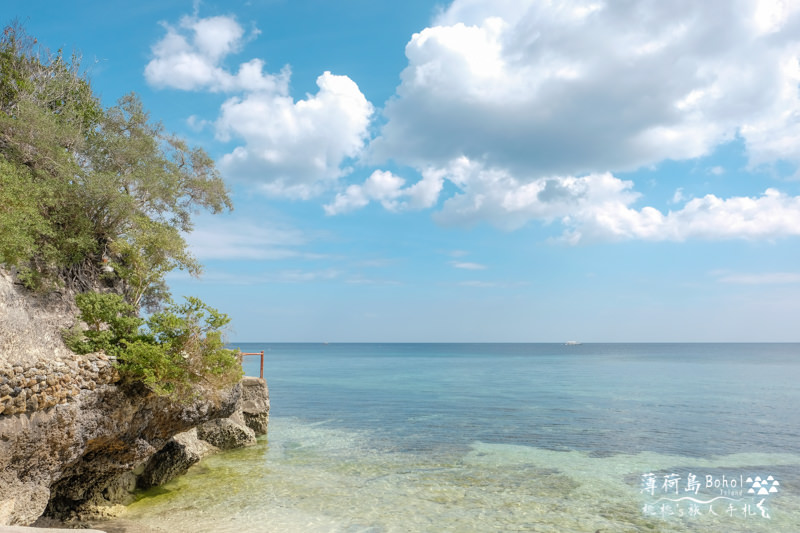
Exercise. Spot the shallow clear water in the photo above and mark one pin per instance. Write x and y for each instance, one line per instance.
(507, 437)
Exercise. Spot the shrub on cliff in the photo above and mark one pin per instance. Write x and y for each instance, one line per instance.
(171, 352)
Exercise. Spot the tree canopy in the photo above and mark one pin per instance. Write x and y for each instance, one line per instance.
(84, 189)
(98, 199)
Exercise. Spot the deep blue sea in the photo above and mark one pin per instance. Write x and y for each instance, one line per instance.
(507, 437)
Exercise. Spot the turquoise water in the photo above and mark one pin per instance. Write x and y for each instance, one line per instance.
(508, 437)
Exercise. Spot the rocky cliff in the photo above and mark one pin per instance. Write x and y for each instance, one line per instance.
(70, 433)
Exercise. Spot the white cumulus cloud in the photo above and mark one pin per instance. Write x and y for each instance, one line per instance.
(295, 148)
(528, 108)
(190, 57)
(286, 147)
(577, 86)
(389, 190)
(603, 207)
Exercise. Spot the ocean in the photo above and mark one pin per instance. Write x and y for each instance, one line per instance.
(378, 438)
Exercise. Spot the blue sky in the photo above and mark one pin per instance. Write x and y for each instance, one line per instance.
(480, 170)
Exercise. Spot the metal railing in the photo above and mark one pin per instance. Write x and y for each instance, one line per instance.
(261, 353)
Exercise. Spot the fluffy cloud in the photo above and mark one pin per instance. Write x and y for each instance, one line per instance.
(575, 87)
(489, 194)
(190, 56)
(295, 148)
(289, 148)
(389, 190)
(773, 214)
(527, 107)
(595, 207)
(601, 207)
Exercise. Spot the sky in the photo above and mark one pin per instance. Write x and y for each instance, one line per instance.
(475, 170)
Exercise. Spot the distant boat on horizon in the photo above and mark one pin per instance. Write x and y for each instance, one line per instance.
(572, 343)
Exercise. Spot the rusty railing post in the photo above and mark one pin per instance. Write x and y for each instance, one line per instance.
(261, 353)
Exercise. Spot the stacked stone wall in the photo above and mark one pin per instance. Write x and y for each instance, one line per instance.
(45, 383)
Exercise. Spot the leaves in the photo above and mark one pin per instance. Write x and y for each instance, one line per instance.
(21, 222)
(91, 196)
(110, 320)
(106, 183)
(171, 353)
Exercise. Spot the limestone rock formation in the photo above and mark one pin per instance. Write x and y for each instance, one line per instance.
(254, 404)
(70, 433)
(226, 434)
(63, 458)
(187, 448)
(174, 459)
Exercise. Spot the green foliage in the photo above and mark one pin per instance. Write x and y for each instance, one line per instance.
(80, 184)
(23, 225)
(162, 371)
(110, 320)
(31, 74)
(152, 249)
(92, 196)
(175, 350)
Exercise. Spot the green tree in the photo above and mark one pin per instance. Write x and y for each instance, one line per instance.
(146, 186)
(19, 216)
(99, 198)
(102, 187)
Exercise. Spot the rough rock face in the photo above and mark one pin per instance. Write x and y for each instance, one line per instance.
(254, 404)
(249, 420)
(68, 431)
(30, 327)
(174, 459)
(61, 459)
(187, 448)
(135, 428)
(36, 370)
(226, 434)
